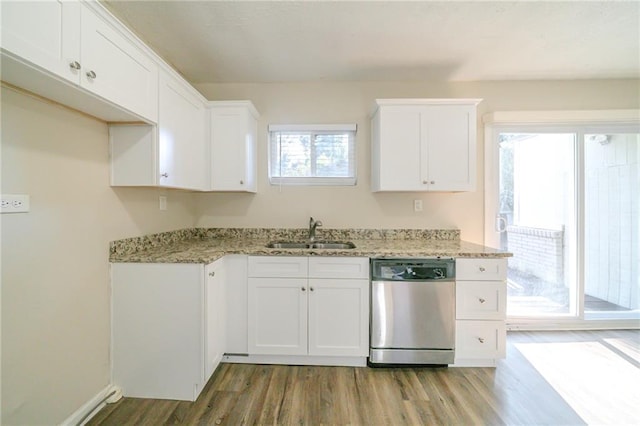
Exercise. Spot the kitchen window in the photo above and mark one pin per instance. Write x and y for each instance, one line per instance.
(312, 154)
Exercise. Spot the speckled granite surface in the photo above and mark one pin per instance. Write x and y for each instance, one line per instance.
(200, 245)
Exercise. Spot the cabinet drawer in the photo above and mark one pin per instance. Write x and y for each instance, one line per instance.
(278, 266)
(480, 339)
(481, 269)
(481, 300)
(339, 267)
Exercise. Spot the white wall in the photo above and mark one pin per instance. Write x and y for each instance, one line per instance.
(55, 278)
(351, 102)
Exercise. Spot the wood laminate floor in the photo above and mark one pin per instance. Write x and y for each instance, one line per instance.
(548, 378)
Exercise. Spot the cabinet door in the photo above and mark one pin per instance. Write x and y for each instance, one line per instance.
(236, 289)
(449, 132)
(157, 330)
(398, 152)
(480, 339)
(115, 69)
(481, 300)
(182, 141)
(338, 267)
(481, 269)
(215, 314)
(46, 34)
(277, 316)
(338, 317)
(233, 149)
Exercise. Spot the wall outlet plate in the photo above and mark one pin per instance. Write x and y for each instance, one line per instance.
(14, 203)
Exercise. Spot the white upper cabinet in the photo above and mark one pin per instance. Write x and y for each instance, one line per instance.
(116, 69)
(172, 154)
(233, 146)
(182, 121)
(424, 145)
(47, 45)
(45, 33)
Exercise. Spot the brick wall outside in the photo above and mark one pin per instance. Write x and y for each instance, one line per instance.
(537, 251)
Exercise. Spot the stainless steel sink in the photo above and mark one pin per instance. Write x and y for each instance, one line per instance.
(328, 245)
(335, 245)
(287, 245)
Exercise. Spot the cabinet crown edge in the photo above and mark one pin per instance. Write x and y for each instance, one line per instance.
(238, 104)
(423, 101)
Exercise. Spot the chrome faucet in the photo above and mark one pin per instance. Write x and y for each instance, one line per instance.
(313, 224)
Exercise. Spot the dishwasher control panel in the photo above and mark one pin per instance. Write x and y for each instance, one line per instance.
(412, 269)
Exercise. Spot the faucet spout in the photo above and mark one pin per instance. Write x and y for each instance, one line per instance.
(313, 224)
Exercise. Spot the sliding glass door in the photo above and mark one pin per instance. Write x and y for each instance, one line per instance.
(611, 256)
(538, 219)
(566, 204)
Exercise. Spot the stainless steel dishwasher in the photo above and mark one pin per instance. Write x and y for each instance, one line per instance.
(412, 312)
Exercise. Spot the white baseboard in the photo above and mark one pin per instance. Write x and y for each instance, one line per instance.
(91, 407)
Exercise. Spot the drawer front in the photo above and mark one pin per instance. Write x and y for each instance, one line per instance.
(339, 267)
(278, 267)
(481, 269)
(481, 300)
(480, 339)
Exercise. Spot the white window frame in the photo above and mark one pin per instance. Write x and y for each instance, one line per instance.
(314, 129)
(580, 123)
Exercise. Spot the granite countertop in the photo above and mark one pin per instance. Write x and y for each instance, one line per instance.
(207, 245)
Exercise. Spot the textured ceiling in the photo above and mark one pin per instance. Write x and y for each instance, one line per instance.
(269, 41)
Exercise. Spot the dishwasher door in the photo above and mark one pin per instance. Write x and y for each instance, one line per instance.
(413, 315)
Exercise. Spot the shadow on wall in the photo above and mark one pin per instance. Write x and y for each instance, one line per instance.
(142, 205)
(233, 204)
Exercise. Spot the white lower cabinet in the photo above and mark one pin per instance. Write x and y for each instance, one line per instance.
(481, 298)
(308, 306)
(338, 317)
(278, 316)
(168, 328)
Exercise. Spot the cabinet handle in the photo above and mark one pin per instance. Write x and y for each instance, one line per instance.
(91, 75)
(75, 65)
(482, 269)
(212, 274)
(303, 289)
(164, 175)
(480, 339)
(481, 300)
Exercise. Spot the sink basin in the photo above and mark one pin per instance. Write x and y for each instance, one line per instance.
(287, 245)
(332, 245)
(329, 245)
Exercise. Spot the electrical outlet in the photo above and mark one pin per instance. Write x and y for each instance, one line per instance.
(163, 202)
(14, 203)
(417, 205)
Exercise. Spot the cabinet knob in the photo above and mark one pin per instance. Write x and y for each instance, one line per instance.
(432, 182)
(311, 288)
(424, 182)
(212, 274)
(303, 289)
(91, 75)
(480, 339)
(75, 65)
(481, 300)
(241, 182)
(482, 269)
(164, 175)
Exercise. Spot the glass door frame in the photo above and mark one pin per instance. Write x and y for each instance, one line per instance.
(579, 123)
